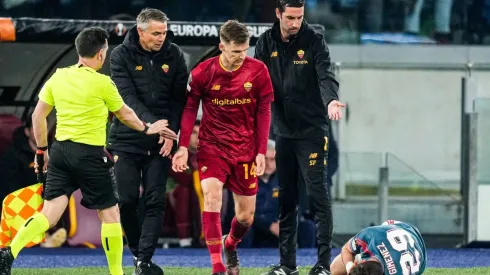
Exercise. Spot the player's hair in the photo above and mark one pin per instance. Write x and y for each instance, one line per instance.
(234, 31)
(90, 41)
(283, 4)
(147, 15)
(367, 268)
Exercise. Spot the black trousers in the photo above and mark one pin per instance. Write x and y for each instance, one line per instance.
(303, 160)
(131, 171)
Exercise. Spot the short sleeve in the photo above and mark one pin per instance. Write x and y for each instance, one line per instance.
(111, 96)
(359, 244)
(46, 94)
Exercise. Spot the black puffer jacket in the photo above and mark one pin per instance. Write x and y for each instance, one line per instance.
(153, 85)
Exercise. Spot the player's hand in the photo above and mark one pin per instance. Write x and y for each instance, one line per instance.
(349, 266)
(179, 161)
(260, 162)
(167, 146)
(157, 127)
(45, 166)
(335, 110)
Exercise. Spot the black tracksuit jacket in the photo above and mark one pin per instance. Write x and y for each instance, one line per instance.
(153, 85)
(303, 80)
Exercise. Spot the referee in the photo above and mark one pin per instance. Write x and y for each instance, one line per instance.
(305, 100)
(82, 98)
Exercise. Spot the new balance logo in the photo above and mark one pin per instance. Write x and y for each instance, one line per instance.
(280, 272)
(323, 273)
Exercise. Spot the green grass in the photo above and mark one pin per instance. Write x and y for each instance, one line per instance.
(199, 271)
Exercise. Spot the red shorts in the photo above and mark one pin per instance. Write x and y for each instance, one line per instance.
(239, 177)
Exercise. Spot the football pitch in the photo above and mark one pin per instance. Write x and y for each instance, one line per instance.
(81, 261)
(198, 271)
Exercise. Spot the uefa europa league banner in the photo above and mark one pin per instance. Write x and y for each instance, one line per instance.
(38, 30)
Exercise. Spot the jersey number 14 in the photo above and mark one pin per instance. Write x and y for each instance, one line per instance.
(400, 239)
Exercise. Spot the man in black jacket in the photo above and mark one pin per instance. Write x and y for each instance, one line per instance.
(306, 98)
(151, 75)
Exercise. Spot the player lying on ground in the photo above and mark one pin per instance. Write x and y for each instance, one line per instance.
(82, 98)
(393, 248)
(236, 92)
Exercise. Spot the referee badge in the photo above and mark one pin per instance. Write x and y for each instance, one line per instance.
(165, 68)
(116, 157)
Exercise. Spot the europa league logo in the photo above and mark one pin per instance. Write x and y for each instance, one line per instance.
(120, 29)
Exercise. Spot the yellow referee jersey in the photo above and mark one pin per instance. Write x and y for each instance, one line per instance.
(82, 98)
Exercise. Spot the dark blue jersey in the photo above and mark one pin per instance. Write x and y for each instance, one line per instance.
(397, 245)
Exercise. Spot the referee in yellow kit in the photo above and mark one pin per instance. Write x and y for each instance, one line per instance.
(82, 98)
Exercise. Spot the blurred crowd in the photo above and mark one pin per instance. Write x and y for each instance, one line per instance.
(181, 226)
(346, 21)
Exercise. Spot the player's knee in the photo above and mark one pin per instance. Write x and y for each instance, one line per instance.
(213, 194)
(212, 203)
(109, 215)
(245, 218)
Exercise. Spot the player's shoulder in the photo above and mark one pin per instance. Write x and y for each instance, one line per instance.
(204, 66)
(255, 64)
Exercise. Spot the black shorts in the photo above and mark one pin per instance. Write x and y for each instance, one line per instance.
(75, 165)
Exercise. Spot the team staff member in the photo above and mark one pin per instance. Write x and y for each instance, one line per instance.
(305, 98)
(151, 75)
(82, 98)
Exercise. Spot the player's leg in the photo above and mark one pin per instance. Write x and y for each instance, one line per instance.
(312, 154)
(213, 172)
(155, 173)
(127, 169)
(211, 221)
(337, 267)
(95, 182)
(243, 183)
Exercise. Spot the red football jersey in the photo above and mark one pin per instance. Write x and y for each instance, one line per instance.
(236, 108)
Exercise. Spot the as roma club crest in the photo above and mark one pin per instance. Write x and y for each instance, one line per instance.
(301, 54)
(247, 86)
(165, 68)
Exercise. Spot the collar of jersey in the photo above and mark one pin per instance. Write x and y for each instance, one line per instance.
(223, 67)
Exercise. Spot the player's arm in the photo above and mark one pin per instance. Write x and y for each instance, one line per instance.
(329, 86)
(348, 254)
(191, 107)
(125, 85)
(126, 115)
(178, 94)
(263, 114)
(43, 108)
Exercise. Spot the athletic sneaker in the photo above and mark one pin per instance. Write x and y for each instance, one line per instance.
(147, 268)
(6, 260)
(282, 270)
(231, 259)
(319, 270)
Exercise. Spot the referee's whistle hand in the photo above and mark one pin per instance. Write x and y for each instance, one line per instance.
(157, 127)
(168, 134)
